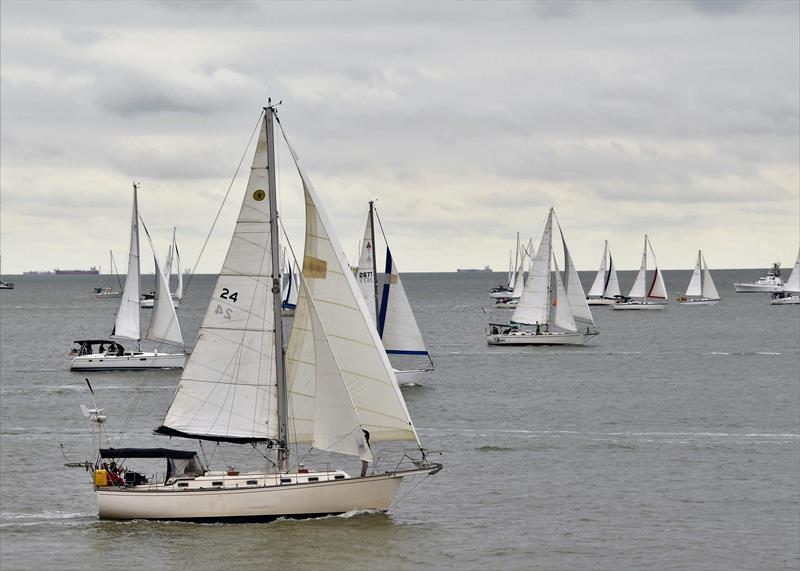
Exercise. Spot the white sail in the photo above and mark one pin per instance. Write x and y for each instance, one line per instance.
(164, 326)
(564, 318)
(353, 338)
(576, 298)
(658, 289)
(365, 273)
(534, 305)
(792, 285)
(638, 287)
(321, 410)
(709, 289)
(178, 293)
(612, 281)
(397, 325)
(519, 280)
(127, 323)
(599, 283)
(290, 292)
(695, 288)
(531, 254)
(168, 259)
(228, 387)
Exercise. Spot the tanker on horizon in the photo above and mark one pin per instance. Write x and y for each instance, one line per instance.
(59, 272)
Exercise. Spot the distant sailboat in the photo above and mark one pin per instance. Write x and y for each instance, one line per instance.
(109, 292)
(640, 295)
(790, 293)
(164, 327)
(502, 291)
(701, 289)
(388, 303)
(534, 322)
(332, 389)
(605, 288)
(511, 299)
(173, 258)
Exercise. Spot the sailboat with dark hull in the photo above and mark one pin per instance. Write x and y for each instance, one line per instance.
(331, 388)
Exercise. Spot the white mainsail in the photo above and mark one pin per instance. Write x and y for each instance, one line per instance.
(321, 410)
(576, 298)
(534, 305)
(127, 324)
(164, 326)
(638, 287)
(228, 388)
(599, 283)
(168, 259)
(353, 338)
(612, 281)
(178, 293)
(792, 285)
(365, 273)
(695, 286)
(709, 289)
(564, 318)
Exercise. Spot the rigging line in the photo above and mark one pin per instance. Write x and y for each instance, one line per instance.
(414, 487)
(221, 206)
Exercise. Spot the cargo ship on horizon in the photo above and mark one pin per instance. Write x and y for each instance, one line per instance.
(59, 272)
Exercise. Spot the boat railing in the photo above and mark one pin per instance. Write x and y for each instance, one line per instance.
(396, 461)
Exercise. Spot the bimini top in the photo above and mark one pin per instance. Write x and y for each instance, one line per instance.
(94, 341)
(146, 453)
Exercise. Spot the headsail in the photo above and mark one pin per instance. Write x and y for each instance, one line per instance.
(792, 285)
(178, 293)
(353, 339)
(638, 287)
(534, 305)
(164, 326)
(365, 273)
(709, 289)
(657, 289)
(127, 324)
(228, 388)
(599, 283)
(574, 289)
(397, 325)
(612, 281)
(564, 318)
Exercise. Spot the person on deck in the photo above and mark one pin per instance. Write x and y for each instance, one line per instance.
(364, 463)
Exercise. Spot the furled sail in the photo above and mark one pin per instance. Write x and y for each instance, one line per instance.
(792, 285)
(127, 324)
(397, 326)
(164, 326)
(353, 338)
(228, 387)
(695, 287)
(321, 410)
(534, 305)
(564, 318)
(599, 283)
(709, 289)
(365, 273)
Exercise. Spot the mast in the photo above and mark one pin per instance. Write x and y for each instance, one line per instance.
(277, 298)
(138, 261)
(374, 256)
(644, 260)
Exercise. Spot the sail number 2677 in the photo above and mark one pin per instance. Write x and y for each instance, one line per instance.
(230, 296)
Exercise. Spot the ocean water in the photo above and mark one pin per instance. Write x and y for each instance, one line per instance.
(671, 441)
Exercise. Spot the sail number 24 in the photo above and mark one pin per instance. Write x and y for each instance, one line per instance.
(229, 295)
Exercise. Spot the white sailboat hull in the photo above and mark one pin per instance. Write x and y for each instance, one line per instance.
(108, 295)
(500, 294)
(756, 287)
(639, 305)
(601, 301)
(410, 376)
(252, 503)
(698, 301)
(531, 338)
(793, 300)
(510, 304)
(129, 361)
(149, 303)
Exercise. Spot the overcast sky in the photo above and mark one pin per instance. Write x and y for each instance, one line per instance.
(466, 120)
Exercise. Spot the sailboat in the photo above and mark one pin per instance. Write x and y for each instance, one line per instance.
(701, 289)
(534, 322)
(790, 293)
(502, 291)
(605, 288)
(511, 299)
(104, 354)
(109, 292)
(638, 297)
(332, 388)
(173, 258)
(388, 304)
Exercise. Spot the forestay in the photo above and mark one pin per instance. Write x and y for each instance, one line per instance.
(353, 339)
(534, 305)
(127, 323)
(228, 387)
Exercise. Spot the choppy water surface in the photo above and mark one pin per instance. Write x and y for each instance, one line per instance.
(672, 441)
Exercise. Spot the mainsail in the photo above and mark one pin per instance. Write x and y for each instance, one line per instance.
(127, 324)
(228, 389)
(534, 305)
